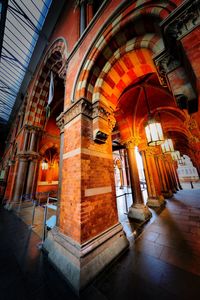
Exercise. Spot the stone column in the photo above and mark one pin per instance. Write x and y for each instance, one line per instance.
(89, 235)
(33, 140)
(138, 210)
(166, 191)
(155, 197)
(30, 174)
(82, 16)
(126, 168)
(176, 176)
(89, 11)
(169, 174)
(171, 168)
(60, 124)
(20, 178)
(25, 140)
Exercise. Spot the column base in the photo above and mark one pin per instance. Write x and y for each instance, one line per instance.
(156, 202)
(167, 194)
(139, 212)
(80, 264)
(8, 206)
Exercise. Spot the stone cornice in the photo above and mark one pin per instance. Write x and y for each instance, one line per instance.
(184, 19)
(28, 155)
(131, 142)
(60, 121)
(165, 63)
(32, 128)
(82, 106)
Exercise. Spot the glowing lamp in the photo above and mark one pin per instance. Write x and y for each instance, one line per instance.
(44, 165)
(154, 133)
(176, 155)
(167, 146)
(153, 128)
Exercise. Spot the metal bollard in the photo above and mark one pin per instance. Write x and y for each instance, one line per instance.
(19, 207)
(44, 224)
(40, 244)
(126, 203)
(33, 215)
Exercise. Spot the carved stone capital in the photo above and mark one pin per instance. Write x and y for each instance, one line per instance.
(191, 123)
(103, 122)
(165, 63)
(82, 106)
(187, 17)
(60, 121)
(132, 142)
(151, 151)
(63, 72)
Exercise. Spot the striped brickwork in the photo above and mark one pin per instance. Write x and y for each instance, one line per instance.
(124, 34)
(54, 59)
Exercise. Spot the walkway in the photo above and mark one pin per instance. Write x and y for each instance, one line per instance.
(162, 263)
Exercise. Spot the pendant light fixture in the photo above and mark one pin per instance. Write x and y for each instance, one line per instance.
(175, 155)
(167, 146)
(153, 128)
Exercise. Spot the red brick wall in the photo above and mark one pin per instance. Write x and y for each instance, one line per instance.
(83, 216)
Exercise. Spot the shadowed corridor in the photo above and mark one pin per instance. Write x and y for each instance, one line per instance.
(162, 263)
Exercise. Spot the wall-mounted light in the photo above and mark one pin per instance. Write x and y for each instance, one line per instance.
(44, 165)
(153, 128)
(167, 146)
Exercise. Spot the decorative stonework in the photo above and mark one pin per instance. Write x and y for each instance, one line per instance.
(80, 263)
(63, 72)
(185, 21)
(82, 106)
(132, 142)
(150, 151)
(103, 118)
(191, 124)
(165, 63)
(103, 122)
(27, 156)
(60, 122)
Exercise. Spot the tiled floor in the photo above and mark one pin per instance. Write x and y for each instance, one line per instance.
(162, 263)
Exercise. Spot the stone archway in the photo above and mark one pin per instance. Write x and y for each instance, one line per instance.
(35, 117)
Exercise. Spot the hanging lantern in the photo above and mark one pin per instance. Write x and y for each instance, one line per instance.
(181, 161)
(153, 128)
(175, 155)
(154, 133)
(44, 165)
(167, 146)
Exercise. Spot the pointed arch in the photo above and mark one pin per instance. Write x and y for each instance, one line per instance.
(54, 60)
(116, 35)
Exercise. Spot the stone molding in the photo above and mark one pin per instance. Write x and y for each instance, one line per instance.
(166, 63)
(184, 19)
(32, 128)
(187, 18)
(29, 155)
(60, 122)
(99, 113)
(82, 106)
(80, 263)
(132, 142)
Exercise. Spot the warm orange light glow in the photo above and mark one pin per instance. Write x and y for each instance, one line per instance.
(154, 133)
(44, 165)
(175, 155)
(167, 146)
